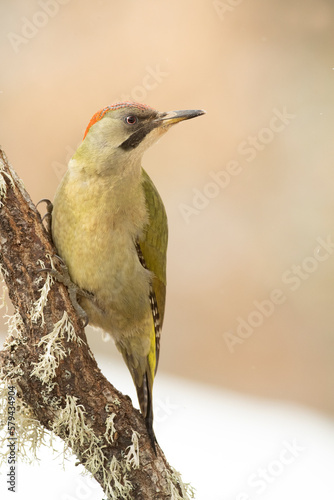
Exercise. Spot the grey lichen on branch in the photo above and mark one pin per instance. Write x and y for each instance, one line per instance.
(59, 386)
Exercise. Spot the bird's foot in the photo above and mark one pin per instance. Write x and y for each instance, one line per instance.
(73, 289)
(48, 216)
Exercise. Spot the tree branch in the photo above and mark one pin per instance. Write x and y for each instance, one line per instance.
(54, 371)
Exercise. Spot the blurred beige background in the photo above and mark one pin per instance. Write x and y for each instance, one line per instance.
(248, 187)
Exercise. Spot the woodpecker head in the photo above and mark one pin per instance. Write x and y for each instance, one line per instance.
(125, 130)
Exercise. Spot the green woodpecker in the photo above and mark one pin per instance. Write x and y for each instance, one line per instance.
(109, 225)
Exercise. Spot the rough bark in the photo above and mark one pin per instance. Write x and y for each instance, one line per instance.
(24, 244)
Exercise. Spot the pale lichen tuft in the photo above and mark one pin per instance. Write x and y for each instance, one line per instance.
(132, 457)
(38, 306)
(54, 351)
(29, 433)
(3, 185)
(176, 482)
(110, 428)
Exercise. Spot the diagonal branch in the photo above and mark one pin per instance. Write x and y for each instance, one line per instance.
(54, 371)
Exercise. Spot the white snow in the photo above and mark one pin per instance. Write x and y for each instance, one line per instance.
(228, 446)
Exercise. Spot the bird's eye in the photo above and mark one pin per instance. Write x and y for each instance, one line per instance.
(131, 120)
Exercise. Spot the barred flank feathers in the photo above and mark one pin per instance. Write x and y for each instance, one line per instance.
(155, 311)
(144, 392)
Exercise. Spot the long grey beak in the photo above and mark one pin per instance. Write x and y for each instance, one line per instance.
(171, 117)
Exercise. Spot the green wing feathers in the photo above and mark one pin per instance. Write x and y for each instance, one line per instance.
(153, 243)
(151, 250)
